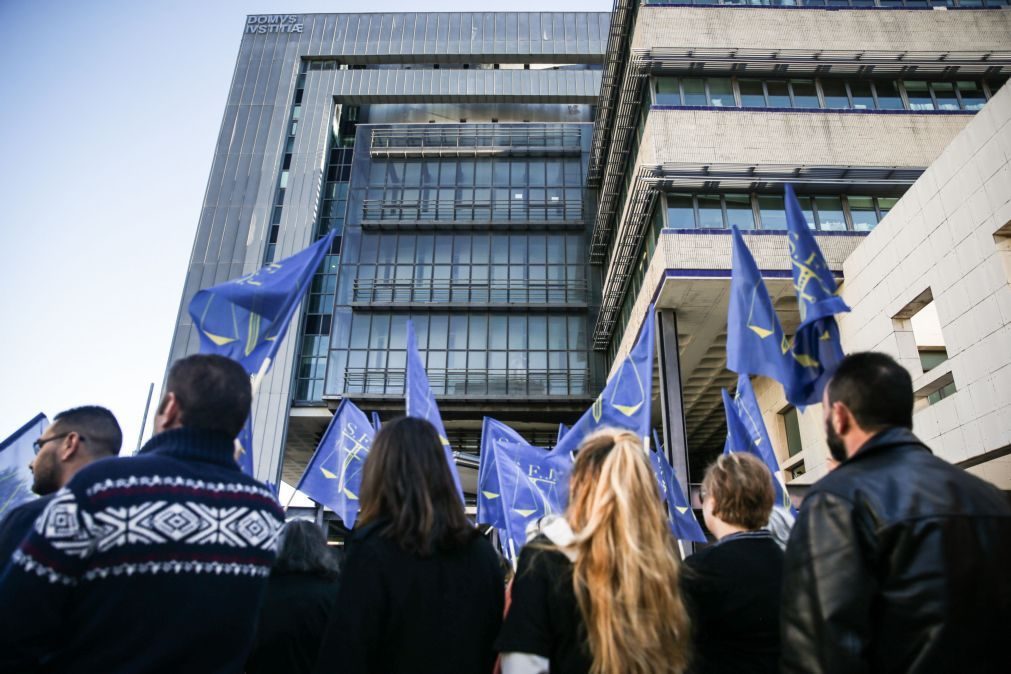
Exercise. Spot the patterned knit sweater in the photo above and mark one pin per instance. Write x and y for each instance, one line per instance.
(152, 563)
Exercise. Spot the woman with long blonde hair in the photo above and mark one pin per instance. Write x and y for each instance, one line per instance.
(597, 591)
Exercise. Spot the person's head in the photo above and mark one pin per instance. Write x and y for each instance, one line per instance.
(407, 483)
(737, 494)
(868, 392)
(302, 548)
(626, 570)
(207, 393)
(76, 438)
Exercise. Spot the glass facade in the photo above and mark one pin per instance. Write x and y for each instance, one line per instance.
(825, 93)
(489, 220)
(826, 213)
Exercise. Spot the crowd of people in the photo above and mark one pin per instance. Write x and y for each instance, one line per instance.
(173, 560)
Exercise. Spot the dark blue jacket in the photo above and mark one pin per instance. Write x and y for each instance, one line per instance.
(17, 524)
(152, 563)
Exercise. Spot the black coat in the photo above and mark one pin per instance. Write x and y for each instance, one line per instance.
(398, 612)
(899, 562)
(732, 590)
(294, 614)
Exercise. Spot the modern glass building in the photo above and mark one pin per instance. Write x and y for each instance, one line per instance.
(450, 153)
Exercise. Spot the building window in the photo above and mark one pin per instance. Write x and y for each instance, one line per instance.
(797, 470)
(823, 213)
(791, 425)
(833, 93)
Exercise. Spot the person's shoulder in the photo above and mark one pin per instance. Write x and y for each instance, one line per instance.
(30, 508)
(543, 556)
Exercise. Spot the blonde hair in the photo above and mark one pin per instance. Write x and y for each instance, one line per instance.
(625, 574)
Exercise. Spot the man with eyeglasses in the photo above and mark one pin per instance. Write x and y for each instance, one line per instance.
(77, 437)
(156, 562)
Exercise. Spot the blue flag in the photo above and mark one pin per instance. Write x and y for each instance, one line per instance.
(550, 468)
(755, 340)
(626, 400)
(562, 430)
(245, 442)
(751, 416)
(529, 483)
(812, 279)
(16, 452)
(377, 423)
(683, 524)
(334, 474)
(421, 401)
(246, 319)
(816, 347)
(489, 495)
(739, 439)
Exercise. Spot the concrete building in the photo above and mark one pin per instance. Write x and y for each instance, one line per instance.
(524, 185)
(449, 151)
(705, 112)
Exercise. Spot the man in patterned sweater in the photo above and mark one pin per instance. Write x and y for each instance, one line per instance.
(152, 563)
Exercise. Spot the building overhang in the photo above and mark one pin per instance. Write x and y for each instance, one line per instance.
(652, 180)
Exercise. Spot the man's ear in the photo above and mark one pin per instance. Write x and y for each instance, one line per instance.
(842, 418)
(70, 447)
(170, 414)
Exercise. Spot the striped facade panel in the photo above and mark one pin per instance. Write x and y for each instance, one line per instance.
(783, 29)
(473, 86)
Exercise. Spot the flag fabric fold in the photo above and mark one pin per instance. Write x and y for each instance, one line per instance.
(739, 439)
(529, 482)
(244, 455)
(682, 520)
(333, 476)
(16, 453)
(816, 348)
(246, 319)
(756, 343)
(420, 401)
(750, 415)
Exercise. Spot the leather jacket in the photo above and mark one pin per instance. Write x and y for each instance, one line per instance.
(899, 562)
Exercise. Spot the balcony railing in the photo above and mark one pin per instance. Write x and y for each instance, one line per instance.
(381, 292)
(509, 208)
(472, 382)
(454, 139)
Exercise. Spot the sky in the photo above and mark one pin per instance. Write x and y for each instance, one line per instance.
(109, 112)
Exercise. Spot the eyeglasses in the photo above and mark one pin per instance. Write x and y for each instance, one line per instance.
(38, 444)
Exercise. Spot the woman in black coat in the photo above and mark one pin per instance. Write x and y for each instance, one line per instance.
(421, 591)
(300, 595)
(733, 586)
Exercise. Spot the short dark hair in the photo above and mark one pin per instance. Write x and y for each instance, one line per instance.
(213, 393)
(876, 389)
(96, 425)
(741, 487)
(407, 483)
(302, 548)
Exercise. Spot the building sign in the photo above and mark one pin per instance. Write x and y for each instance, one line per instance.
(274, 23)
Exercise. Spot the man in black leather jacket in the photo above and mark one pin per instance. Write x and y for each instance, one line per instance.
(899, 561)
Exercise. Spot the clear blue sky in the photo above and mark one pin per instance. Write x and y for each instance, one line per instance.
(109, 112)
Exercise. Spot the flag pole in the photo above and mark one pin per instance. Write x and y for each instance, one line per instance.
(143, 421)
(259, 376)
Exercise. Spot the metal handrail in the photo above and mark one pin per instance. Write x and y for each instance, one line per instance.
(384, 209)
(422, 291)
(453, 382)
(472, 135)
